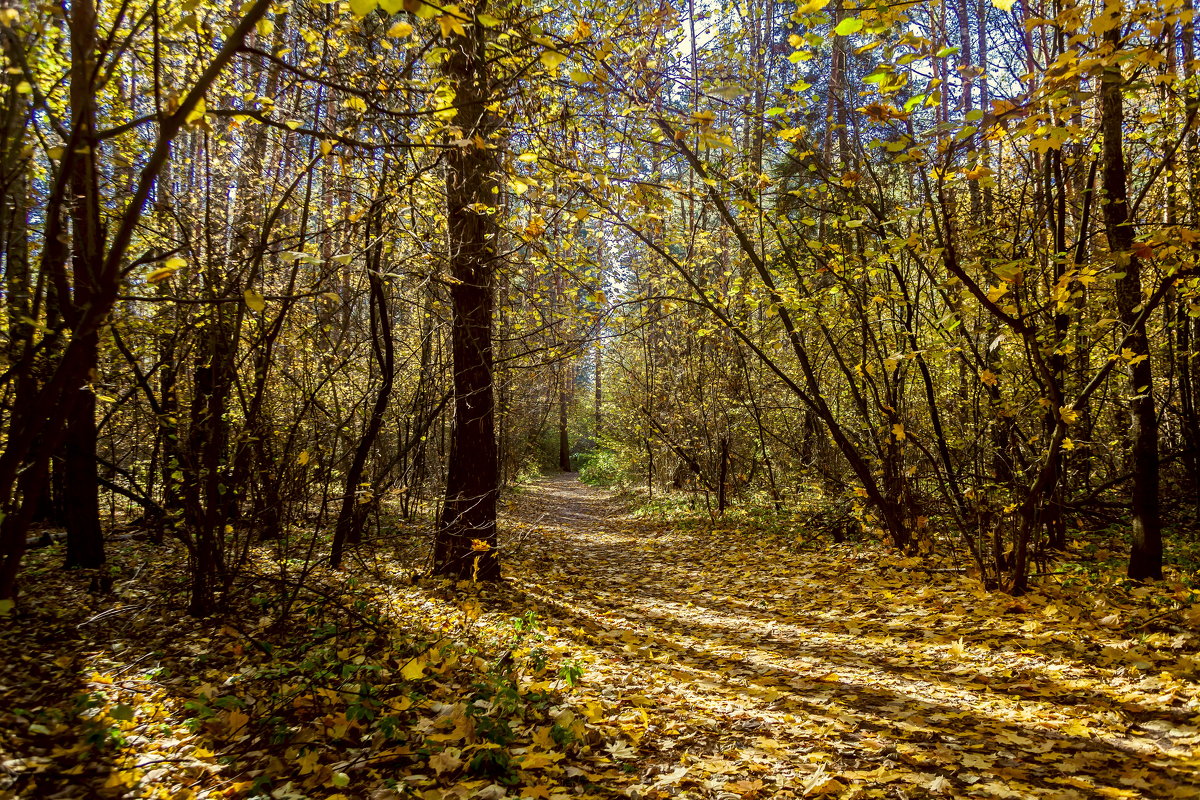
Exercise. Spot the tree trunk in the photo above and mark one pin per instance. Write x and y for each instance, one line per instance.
(465, 544)
(1145, 556)
(350, 519)
(81, 499)
(564, 442)
(599, 395)
(85, 539)
(723, 476)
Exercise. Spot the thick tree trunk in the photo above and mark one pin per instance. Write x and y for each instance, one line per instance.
(85, 539)
(465, 544)
(1145, 557)
(14, 215)
(81, 499)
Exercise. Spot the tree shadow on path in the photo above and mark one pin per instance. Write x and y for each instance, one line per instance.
(784, 687)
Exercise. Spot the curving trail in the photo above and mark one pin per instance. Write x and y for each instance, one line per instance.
(730, 665)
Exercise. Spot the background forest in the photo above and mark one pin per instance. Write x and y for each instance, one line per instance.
(299, 285)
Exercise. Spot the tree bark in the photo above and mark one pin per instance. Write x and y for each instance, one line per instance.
(465, 543)
(352, 515)
(564, 440)
(1145, 556)
(599, 392)
(81, 499)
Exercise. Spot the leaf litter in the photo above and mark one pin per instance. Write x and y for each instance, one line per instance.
(622, 657)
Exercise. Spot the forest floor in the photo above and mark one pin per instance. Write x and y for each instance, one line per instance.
(623, 656)
(741, 668)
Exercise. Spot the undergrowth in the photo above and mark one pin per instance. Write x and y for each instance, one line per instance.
(358, 685)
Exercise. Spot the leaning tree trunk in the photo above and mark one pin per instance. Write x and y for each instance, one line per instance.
(465, 544)
(353, 513)
(1145, 556)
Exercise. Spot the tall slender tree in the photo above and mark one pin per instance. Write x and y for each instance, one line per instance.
(1145, 557)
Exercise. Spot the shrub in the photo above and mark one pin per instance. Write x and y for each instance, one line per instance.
(600, 468)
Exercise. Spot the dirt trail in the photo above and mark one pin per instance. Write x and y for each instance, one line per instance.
(735, 667)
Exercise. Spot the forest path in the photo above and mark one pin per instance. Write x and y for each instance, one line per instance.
(734, 666)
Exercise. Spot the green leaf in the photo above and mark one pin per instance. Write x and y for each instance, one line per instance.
(848, 26)
(363, 7)
(487, 20)
(6, 607)
(122, 713)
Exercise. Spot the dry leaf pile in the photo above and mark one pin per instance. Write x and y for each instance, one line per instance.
(740, 668)
(620, 658)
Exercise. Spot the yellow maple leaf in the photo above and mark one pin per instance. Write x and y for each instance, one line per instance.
(539, 760)
(451, 24)
(414, 669)
(308, 762)
(1076, 728)
(542, 737)
(536, 226)
(236, 720)
(446, 761)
